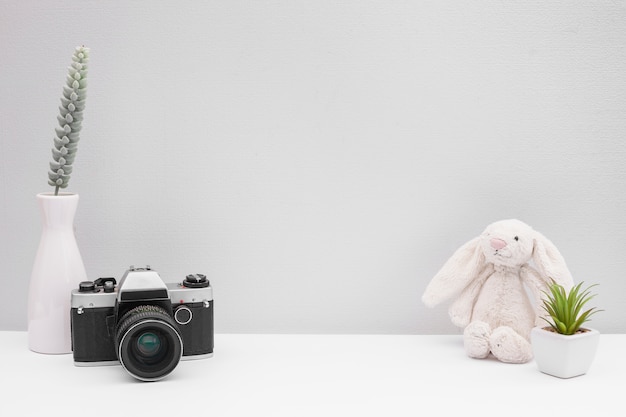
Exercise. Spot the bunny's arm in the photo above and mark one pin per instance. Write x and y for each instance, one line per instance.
(461, 309)
(536, 285)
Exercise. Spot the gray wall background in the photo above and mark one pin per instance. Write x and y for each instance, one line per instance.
(319, 160)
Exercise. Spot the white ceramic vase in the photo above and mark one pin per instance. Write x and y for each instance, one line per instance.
(58, 268)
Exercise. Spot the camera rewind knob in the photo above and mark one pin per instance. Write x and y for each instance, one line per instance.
(86, 286)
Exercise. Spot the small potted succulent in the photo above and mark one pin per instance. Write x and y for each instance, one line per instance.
(565, 349)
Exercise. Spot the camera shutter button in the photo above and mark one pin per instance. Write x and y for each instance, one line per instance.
(183, 315)
(109, 286)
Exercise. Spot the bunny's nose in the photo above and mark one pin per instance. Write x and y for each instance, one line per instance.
(497, 244)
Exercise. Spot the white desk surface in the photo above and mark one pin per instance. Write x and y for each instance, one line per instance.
(314, 375)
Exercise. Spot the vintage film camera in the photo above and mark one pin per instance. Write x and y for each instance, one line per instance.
(144, 324)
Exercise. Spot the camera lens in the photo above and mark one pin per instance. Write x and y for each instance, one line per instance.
(148, 343)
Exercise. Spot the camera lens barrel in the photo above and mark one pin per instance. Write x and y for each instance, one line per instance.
(148, 343)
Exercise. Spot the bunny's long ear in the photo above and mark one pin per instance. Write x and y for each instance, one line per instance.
(550, 262)
(458, 271)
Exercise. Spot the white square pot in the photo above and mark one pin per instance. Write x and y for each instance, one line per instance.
(564, 356)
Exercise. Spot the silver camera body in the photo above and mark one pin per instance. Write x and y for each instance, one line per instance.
(144, 324)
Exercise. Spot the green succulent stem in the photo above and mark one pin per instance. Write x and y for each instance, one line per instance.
(565, 308)
(70, 119)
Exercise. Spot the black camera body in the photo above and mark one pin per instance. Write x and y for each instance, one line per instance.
(144, 324)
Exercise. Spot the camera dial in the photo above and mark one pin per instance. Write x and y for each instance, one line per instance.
(195, 281)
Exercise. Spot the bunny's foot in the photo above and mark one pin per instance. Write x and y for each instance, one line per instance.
(508, 346)
(476, 339)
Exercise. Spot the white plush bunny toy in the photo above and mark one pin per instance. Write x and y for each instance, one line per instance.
(490, 279)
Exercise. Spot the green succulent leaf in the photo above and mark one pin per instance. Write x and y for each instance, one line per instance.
(560, 326)
(564, 308)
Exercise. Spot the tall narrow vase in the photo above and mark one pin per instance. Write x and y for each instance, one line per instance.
(58, 268)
